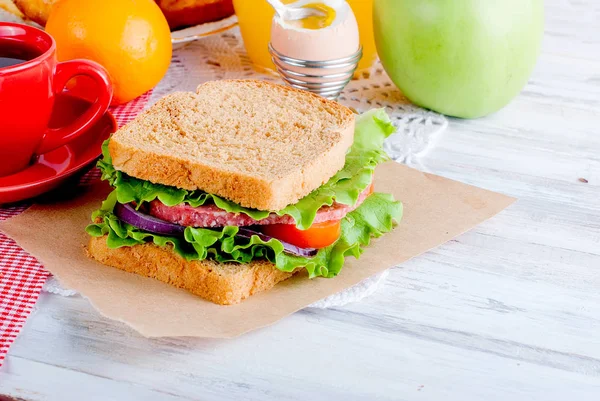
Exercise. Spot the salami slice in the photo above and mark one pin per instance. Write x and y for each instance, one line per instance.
(211, 216)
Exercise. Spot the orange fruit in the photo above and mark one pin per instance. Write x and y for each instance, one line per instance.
(130, 38)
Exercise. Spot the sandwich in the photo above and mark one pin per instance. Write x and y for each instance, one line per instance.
(227, 191)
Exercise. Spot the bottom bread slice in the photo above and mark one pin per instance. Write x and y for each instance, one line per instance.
(221, 283)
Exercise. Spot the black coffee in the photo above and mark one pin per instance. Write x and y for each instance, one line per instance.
(8, 61)
(12, 53)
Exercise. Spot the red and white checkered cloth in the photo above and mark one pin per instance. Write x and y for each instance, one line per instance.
(21, 275)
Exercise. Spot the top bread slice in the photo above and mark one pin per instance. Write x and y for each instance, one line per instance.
(258, 144)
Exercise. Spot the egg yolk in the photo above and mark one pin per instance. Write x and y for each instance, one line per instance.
(317, 21)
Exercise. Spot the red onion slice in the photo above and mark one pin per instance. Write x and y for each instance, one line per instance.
(136, 218)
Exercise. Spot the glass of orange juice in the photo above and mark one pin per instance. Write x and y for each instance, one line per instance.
(254, 17)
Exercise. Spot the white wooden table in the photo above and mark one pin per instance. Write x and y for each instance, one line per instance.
(508, 311)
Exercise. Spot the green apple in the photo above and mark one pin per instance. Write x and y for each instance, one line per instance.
(463, 58)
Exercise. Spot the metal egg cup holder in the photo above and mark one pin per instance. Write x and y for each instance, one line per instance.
(312, 76)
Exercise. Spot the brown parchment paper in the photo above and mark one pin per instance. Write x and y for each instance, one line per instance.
(436, 209)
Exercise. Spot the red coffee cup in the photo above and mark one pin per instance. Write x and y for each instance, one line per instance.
(27, 91)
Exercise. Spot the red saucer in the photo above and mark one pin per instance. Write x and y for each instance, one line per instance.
(52, 169)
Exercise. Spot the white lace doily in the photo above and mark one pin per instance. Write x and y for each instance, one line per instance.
(223, 56)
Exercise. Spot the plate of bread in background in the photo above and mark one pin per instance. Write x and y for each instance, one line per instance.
(188, 19)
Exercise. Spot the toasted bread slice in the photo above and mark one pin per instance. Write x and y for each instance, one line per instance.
(258, 144)
(36, 10)
(10, 7)
(221, 283)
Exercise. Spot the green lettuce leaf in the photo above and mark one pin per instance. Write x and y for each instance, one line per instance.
(372, 128)
(373, 218)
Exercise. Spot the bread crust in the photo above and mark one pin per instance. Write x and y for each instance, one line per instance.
(35, 10)
(256, 191)
(221, 283)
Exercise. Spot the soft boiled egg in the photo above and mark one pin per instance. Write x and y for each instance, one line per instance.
(329, 36)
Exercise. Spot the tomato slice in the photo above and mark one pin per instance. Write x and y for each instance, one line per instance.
(319, 235)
